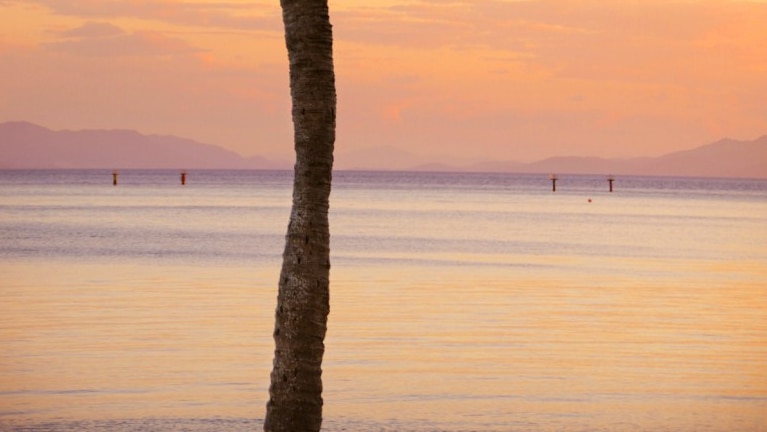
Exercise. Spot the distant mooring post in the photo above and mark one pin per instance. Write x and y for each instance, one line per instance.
(610, 180)
(553, 178)
(183, 178)
(114, 177)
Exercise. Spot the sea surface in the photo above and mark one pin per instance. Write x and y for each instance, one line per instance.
(459, 302)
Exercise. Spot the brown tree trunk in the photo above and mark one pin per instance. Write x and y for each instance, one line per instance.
(295, 393)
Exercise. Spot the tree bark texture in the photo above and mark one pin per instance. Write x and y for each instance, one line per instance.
(303, 301)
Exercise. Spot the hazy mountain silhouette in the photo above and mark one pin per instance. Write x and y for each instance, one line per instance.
(724, 158)
(25, 145)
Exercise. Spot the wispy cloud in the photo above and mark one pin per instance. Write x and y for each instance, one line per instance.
(108, 40)
(251, 15)
(92, 29)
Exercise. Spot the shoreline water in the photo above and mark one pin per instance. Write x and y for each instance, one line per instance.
(458, 302)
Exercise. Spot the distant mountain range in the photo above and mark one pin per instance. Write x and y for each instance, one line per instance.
(724, 158)
(25, 145)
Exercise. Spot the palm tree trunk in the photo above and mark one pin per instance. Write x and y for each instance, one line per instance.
(295, 393)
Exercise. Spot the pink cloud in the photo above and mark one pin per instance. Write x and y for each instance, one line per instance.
(93, 29)
(122, 44)
(227, 15)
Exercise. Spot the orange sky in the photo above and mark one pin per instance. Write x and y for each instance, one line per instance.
(457, 80)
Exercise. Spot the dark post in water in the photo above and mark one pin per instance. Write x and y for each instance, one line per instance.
(183, 178)
(553, 178)
(114, 177)
(611, 179)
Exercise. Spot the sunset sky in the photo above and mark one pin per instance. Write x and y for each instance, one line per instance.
(456, 80)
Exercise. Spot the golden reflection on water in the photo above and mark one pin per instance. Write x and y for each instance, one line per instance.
(468, 350)
(127, 341)
(487, 349)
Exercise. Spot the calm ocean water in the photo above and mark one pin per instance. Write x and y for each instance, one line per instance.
(459, 302)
